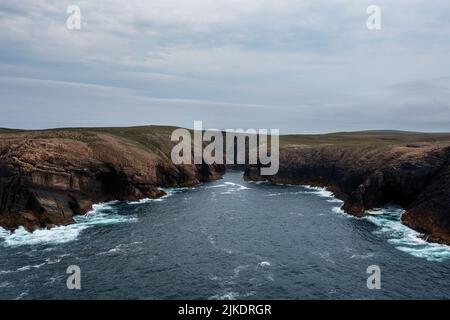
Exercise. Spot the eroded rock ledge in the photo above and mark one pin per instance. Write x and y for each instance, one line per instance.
(48, 177)
(415, 176)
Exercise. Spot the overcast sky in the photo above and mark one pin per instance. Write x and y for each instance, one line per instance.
(298, 65)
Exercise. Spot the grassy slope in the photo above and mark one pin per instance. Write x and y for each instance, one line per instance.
(6, 130)
(146, 137)
(375, 138)
(150, 137)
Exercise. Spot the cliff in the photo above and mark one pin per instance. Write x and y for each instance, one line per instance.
(47, 177)
(372, 170)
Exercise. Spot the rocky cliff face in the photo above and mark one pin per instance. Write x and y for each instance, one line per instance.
(415, 176)
(48, 177)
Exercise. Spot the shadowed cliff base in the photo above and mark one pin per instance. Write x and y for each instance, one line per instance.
(48, 176)
(372, 169)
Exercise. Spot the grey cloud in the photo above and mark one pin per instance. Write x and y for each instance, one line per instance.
(298, 65)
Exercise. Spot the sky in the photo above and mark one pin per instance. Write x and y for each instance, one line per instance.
(302, 66)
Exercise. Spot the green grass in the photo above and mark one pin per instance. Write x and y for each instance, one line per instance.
(148, 137)
(376, 138)
(6, 130)
(151, 137)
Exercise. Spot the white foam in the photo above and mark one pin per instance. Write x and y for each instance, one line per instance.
(35, 266)
(52, 261)
(338, 210)
(335, 200)
(101, 214)
(110, 251)
(169, 192)
(241, 187)
(216, 186)
(55, 235)
(258, 182)
(389, 225)
(326, 256)
(231, 295)
(121, 248)
(232, 187)
(375, 211)
(362, 256)
(238, 269)
(6, 271)
(319, 191)
(20, 296)
(276, 194)
(3, 233)
(264, 264)
(141, 201)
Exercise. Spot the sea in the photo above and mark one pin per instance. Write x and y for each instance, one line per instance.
(227, 239)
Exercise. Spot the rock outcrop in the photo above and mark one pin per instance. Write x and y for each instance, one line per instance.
(48, 177)
(415, 176)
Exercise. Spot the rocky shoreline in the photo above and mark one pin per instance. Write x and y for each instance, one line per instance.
(414, 176)
(47, 177)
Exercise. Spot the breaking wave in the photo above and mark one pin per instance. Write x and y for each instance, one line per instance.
(169, 192)
(321, 192)
(389, 226)
(231, 187)
(306, 189)
(102, 214)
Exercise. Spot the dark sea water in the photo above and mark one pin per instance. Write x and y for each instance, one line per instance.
(227, 239)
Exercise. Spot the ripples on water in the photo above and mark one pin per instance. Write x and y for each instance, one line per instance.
(225, 240)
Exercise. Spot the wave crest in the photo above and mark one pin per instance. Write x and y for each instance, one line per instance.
(101, 214)
(389, 226)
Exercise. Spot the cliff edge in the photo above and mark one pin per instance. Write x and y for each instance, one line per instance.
(47, 177)
(375, 169)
